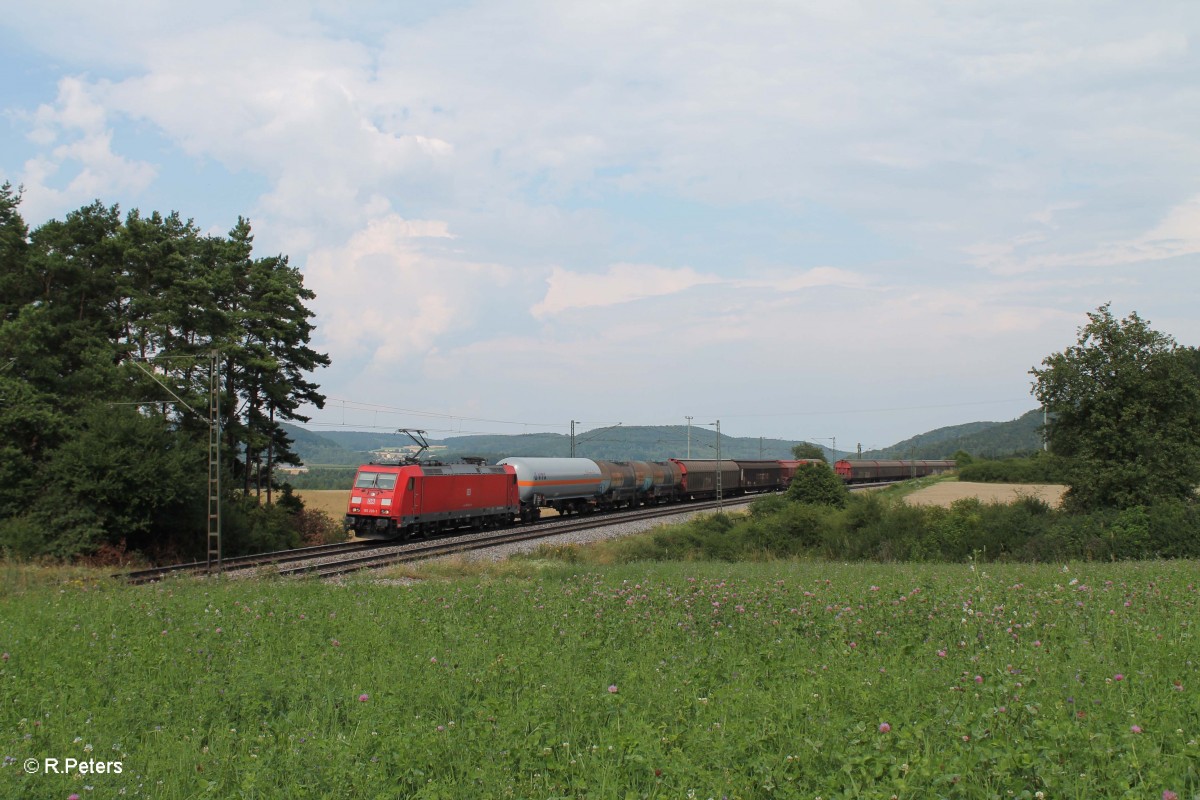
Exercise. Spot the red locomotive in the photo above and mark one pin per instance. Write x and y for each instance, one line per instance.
(400, 500)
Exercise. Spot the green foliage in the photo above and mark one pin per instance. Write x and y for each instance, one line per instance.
(248, 526)
(808, 450)
(1040, 468)
(875, 527)
(1125, 411)
(323, 478)
(95, 452)
(819, 485)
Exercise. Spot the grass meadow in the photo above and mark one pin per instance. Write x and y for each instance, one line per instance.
(693, 680)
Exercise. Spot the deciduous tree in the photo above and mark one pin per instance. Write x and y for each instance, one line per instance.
(1124, 406)
(808, 450)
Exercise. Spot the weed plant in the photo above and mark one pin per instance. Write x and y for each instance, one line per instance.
(780, 680)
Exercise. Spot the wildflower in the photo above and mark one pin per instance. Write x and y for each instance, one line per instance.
(1118, 677)
(612, 689)
(1135, 728)
(979, 679)
(1169, 795)
(884, 727)
(941, 653)
(364, 697)
(3, 656)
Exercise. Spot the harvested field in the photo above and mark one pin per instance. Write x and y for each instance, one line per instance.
(332, 501)
(946, 492)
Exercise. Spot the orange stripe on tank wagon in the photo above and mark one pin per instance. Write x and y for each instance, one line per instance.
(584, 482)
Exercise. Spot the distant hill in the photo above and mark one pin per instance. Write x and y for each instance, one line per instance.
(656, 443)
(622, 443)
(1021, 436)
(619, 443)
(320, 448)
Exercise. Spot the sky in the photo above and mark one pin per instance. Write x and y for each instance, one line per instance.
(813, 221)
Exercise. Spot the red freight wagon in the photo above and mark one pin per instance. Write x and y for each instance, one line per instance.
(699, 478)
(788, 468)
(864, 470)
(395, 501)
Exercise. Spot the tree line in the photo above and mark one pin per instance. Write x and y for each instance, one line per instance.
(108, 324)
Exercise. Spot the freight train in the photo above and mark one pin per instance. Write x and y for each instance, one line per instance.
(398, 501)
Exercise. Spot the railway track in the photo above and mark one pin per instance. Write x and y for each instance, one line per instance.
(359, 556)
(249, 562)
(420, 552)
(461, 545)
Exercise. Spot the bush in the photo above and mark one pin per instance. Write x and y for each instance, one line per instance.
(1174, 527)
(819, 485)
(1038, 469)
(316, 527)
(250, 527)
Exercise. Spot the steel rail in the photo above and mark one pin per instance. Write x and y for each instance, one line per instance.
(435, 549)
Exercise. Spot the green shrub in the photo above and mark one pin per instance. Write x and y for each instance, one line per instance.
(1174, 529)
(1037, 469)
(250, 527)
(819, 485)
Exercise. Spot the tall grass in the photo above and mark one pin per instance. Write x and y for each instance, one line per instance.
(780, 679)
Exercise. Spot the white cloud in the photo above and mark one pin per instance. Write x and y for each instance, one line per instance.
(625, 283)
(388, 294)
(1177, 235)
(78, 144)
(622, 283)
(815, 278)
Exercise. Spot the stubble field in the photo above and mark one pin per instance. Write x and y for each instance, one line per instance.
(332, 501)
(944, 493)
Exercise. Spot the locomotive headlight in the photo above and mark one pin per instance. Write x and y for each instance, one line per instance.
(356, 499)
(385, 502)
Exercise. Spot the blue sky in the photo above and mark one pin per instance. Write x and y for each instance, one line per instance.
(806, 219)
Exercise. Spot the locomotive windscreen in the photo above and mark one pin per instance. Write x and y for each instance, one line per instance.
(376, 480)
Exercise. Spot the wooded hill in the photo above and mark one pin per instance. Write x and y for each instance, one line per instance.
(656, 443)
(1022, 436)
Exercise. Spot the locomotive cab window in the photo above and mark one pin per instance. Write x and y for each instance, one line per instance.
(376, 480)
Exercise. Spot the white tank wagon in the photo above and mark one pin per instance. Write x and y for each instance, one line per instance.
(568, 485)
